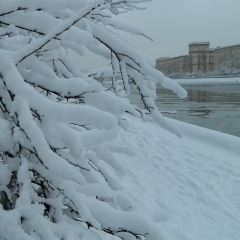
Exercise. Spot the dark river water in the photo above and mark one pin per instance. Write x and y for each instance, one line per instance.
(211, 105)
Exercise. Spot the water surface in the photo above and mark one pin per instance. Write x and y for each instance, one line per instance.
(211, 105)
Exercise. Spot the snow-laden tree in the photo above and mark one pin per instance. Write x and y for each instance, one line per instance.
(57, 122)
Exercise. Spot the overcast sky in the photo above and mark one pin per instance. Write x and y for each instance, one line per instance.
(173, 24)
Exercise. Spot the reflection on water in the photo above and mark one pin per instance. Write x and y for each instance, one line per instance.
(215, 106)
(199, 112)
(198, 96)
(209, 96)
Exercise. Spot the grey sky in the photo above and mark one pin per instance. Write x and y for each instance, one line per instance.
(172, 24)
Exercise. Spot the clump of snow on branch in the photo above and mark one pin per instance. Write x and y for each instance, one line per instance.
(57, 122)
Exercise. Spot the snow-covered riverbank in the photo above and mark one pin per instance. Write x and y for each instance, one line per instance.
(191, 185)
(235, 80)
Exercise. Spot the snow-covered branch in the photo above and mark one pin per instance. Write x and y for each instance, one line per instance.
(57, 123)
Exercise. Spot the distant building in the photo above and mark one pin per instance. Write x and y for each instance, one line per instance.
(177, 65)
(227, 57)
(201, 59)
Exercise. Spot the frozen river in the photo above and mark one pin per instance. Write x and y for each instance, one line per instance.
(211, 103)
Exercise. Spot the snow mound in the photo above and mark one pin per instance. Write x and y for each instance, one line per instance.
(189, 185)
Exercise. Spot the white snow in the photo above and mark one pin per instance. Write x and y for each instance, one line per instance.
(216, 80)
(67, 169)
(191, 185)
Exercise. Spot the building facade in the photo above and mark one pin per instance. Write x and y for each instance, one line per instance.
(177, 65)
(201, 59)
(227, 57)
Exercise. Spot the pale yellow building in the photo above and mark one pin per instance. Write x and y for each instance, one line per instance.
(178, 65)
(201, 59)
(228, 57)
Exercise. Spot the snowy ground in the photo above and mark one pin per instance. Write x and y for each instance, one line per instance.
(192, 184)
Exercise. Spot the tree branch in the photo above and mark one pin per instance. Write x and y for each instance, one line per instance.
(58, 30)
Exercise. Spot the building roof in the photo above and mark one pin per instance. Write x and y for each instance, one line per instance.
(232, 46)
(199, 43)
(168, 58)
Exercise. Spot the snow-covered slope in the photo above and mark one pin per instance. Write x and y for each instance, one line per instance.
(191, 185)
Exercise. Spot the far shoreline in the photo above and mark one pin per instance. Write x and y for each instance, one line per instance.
(209, 80)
